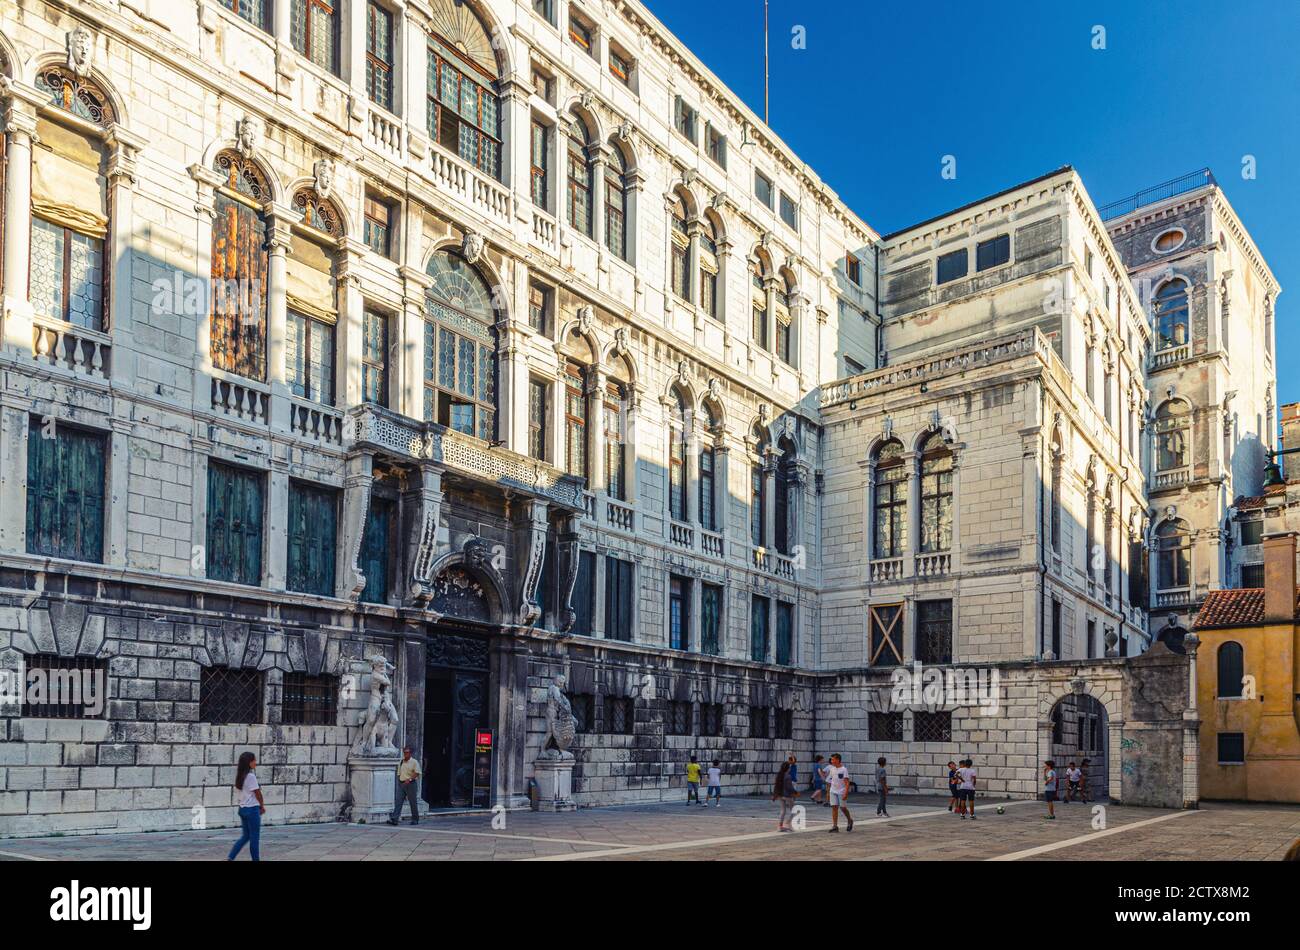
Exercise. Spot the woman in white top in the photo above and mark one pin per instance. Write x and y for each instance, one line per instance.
(251, 807)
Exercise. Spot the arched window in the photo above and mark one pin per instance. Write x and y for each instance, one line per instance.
(890, 501)
(1170, 313)
(709, 301)
(677, 458)
(616, 204)
(615, 415)
(784, 321)
(460, 348)
(680, 239)
(1090, 526)
(1108, 541)
(1057, 502)
(1232, 670)
(311, 300)
(936, 495)
(758, 490)
(239, 268)
(708, 473)
(464, 111)
(1173, 555)
(69, 204)
(579, 179)
(758, 284)
(1172, 430)
(575, 419)
(784, 500)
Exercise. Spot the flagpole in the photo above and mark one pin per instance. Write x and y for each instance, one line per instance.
(766, 107)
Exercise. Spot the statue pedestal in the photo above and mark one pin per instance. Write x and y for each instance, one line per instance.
(374, 786)
(555, 784)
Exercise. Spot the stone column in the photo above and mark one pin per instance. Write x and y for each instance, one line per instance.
(278, 236)
(512, 389)
(413, 663)
(516, 156)
(121, 184)
(722, 487)
(508, 717)
(201, 449)
(597, 478)
(769, 495)
(1192, 726)
(348, 331)
(692, 471)
(206, 182)
(20, 135)
(911, 462)
(118, 494)
(277, 521)
(408, 397)
(599, 157)
(769, 286)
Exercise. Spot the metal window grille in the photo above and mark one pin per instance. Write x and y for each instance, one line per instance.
(679, 718)
(758, 722)
(932, 726)
(230, 696)
(584, 709)
(620, 715)
(310, 700)
(934, 632)
(711, 719)
(885, 727)
(63, 687)
(785, 723)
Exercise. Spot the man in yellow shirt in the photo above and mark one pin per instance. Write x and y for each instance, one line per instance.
(693, 781)
(408, 784)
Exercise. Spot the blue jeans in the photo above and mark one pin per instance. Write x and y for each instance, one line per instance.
(251, 820)
(715, 791)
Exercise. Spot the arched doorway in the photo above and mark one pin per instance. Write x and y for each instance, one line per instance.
(1080, 732)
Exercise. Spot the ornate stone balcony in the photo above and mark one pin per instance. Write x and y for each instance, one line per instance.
(391, 432)
(69, 347)
(245, 402)
(316, 423)
(933, 565)
(712, 545)
(620, 515)
(682, 535)
(468, 185)
(887, 569)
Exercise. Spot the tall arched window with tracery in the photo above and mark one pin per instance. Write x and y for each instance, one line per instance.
(460, 348)
(311, 313)
(936, 495)
(575, 418)
(708, 471)
(1173, 424)
(1173, 555)
(70, 206)
(580, 177)
(709, 268)
(680, 250)
(1170, 314)
(758, 305)
(785, 320)
(677, 436)
(784, 502)
(616, 216)
(239, 267)
(889, 501)
(616, 434)
(758, 490)
(464, 110)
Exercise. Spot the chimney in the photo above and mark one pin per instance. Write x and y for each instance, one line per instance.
(1291, 438)
(1279, 578)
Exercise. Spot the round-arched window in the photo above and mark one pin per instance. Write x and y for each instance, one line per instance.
(460, 348)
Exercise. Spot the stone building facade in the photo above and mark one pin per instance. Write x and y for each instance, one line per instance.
(503, 342)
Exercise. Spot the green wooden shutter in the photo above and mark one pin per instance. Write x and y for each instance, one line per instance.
(374, 551)
(312, 516)
(234, 550)
(65, 493)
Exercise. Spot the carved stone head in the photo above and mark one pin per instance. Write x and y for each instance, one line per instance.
(248, 133)
(323, 170)
(471, 246)
(81, 47)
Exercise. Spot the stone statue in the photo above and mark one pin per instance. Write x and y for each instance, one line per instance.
(379, 724)
(81, 47)
(561, 726)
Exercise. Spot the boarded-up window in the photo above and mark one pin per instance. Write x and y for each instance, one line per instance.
(65, 493)
(235, 514)
(886, 644)
(239, 270)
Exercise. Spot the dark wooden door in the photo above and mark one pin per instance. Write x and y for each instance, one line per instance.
(468, 713)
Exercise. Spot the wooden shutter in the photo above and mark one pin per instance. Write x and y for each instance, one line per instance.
(239, 258)
(312, 517)
(65, 494)
(234, 525)
(374, 551)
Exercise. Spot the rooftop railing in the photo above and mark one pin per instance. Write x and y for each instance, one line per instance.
(1147, 196)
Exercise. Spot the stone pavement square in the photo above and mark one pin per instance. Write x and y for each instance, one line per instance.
(920, 828)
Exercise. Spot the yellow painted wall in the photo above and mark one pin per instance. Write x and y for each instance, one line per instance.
(1270, 720)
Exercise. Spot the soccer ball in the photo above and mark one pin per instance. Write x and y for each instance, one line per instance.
(1001, 810)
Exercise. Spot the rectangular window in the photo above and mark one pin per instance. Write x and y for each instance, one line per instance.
(708, 489)
(374, 560)
(678, 720)
(885, 726)
(885, 632)
(379, 56)
(1252, 576)
(584, 712)
(711, 619)
(950, 266)
(993, 252)
(464, 115)
(309, 358)
(763, 188)
(709, 292)
(711, 719)
(759, 625)
(681, 276)
(66, 470)
(235, 515)
(1091, 636)
(256, 12)
(931, 726)
(760, 722)
(539, 308)
(615, 441)
(620, 66)
(789, 211)
(538, 410)
(230, 696)
(378, 226)
(67, 275)
(757, 506)
(575, 421)
(934, 632)
(620, 715)
(785, 723)
(582, 33)
(685, 119)
(1252, 532)
(74, 686)
(715, 146)
(1232, 748)
(582, 599)
(853, 267)
(313, 27)
(313, 515)
(544, 9)
(679, 613)
(618, 599)
(374, 358)
(310, 700)
(784, 633)
(240, 285)
(1056, 629)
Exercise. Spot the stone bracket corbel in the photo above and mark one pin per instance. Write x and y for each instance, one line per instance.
(534, 554)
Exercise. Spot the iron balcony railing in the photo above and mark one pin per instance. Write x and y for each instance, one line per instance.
(1175, 186)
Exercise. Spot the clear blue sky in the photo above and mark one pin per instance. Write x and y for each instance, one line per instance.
(1014, 89)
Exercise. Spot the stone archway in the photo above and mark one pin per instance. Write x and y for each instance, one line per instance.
(1075, 694)
(1080, 734)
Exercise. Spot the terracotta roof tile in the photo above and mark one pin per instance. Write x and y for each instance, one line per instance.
(1235, 608)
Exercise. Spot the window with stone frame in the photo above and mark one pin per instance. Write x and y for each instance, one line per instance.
(678, 720)
(379, 55)
(760, 719)
(619, 594)
(890, 501)
(309, 700)
(66, 477)
(677, 457)
(615, 421)
(616, 204)
(759, 628)
(309, 357)
(711, 619)
(539, 308)
(375, 560)
(538, 413)
(993, 252)
(312, 535)
(785, 329)
(377, 226)
(931, 726)
(240, 260)
(679, 612)
(230, 696)
(934, 632)
(784, 633)
(256, 12)
(463, 110)
(620, 715)
(584, 712)
(708, 472)
(460, 348)
(936, 495)
(1169, 315)
(711, 719)
(885, 726)
(1173, 555)
(785, 723)
(580, 179)
(710, 302)
(374, 357)
(575, 419)
(758, 303)
(885, 634)
(236, 515)
(1172, 435)
(583, 597)
(950, 266)
(784, 506)
(680, 241)
(62, 687)
(314, 31)
(539, 164)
